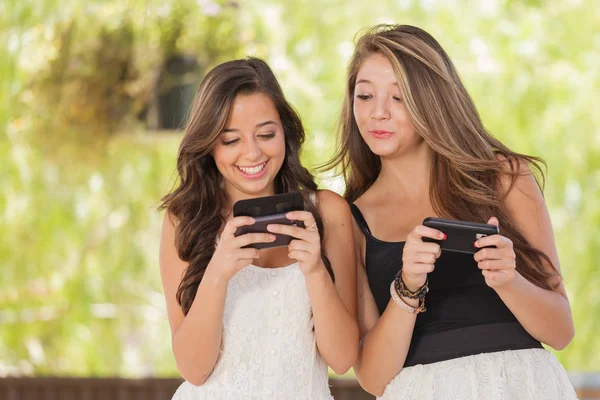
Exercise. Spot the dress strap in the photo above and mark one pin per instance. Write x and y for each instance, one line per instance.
(360, 219)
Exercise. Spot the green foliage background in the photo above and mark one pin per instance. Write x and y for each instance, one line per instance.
(79, 290)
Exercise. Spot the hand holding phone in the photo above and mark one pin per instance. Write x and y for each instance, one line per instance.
(496, 259)
(305, 246)
(269, 210)
(419, 257)
(460, 235)
(232, 253)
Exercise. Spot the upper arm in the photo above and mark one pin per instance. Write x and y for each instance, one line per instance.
(368, 314)
(339, 245)
(525, 203)
(171, 271)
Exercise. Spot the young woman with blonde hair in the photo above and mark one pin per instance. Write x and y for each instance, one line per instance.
(436, 324)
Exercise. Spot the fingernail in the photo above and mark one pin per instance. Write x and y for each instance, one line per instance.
(272, 237)
(476, 244)
(444, 237)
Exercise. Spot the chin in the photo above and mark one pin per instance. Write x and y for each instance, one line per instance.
(384, 150)
(255, 188)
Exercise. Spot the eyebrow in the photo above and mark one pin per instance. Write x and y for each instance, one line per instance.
(368, 81)
(258, 126)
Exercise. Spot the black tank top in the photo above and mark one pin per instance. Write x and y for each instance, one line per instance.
(464, 316)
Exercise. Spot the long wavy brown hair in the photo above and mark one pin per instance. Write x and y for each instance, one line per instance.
(468, 163)
(197, 202)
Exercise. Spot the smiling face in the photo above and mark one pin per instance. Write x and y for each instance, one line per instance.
(251, 149)
(379, 109)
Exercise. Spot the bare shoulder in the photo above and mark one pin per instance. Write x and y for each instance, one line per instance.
(346, 218)
(333, 207)
(169, 227)
(519, 183)
(326, 196)
(170, 222)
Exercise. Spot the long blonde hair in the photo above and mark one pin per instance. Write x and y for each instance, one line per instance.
(468, 163)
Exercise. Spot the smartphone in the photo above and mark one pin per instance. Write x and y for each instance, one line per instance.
(461, 235)
(269, 210)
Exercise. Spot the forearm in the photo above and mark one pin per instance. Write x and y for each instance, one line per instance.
(545, 314)
(197, 342)
(336, 329)
(384, 348)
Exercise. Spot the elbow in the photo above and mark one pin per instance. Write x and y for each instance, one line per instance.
(371, 382)
(193, 374)
(372, 386)
(195, 379)
(340, 368)
(560, 344)
(565, 338)
(343, 364)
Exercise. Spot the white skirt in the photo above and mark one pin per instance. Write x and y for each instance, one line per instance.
(531, 374)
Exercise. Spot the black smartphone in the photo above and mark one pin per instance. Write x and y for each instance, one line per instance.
(269, 210)
(460, 235)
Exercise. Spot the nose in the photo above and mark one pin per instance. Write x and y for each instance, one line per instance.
(381, 109)
(252, 150)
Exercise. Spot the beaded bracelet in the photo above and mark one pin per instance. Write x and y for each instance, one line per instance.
(406, 292)
(413, 310)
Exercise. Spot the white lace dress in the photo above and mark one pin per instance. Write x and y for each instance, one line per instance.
(268, 348)
(531, 374)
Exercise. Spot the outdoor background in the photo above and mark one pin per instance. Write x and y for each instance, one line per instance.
(90, 92)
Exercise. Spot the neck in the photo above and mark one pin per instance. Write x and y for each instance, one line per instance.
(407, 175)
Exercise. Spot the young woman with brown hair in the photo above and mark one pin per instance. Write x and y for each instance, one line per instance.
(247, 323)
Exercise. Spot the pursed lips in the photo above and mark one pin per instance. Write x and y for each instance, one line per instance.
(380, 133)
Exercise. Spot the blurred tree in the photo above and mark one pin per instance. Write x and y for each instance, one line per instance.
(80, 291)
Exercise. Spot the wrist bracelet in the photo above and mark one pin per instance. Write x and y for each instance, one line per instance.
(413, 310)
(406, 292)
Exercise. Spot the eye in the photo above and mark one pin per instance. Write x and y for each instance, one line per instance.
(364, 96)
(230, 142)
(267, 136)
(398, 99)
